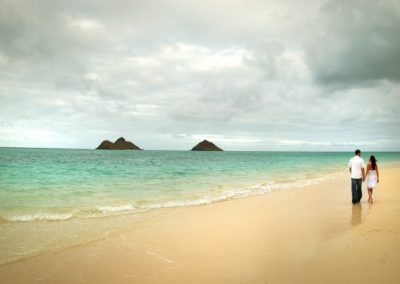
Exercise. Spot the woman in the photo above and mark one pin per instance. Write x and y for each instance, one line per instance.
(372, 176)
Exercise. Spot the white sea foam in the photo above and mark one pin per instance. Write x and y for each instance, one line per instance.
(38, 217)
(233, 194)
(209, 199)
(111, 209)
(179, 203)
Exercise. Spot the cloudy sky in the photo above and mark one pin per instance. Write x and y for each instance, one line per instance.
(166, 74)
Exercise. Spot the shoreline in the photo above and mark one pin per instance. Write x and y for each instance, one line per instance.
(214, 240)
(72, 224)
(105, 211)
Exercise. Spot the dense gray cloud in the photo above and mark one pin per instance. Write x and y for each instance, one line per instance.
(249, 75)
(356, 41)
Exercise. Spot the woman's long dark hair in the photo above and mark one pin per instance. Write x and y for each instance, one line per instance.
(373, 161)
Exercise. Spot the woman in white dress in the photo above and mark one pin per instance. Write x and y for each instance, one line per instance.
(372, 176)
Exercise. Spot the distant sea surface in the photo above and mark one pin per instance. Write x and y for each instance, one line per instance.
(62, 184)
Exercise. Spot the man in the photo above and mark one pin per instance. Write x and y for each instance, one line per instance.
(357, 170)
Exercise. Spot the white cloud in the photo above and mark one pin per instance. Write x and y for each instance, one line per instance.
(29, 137)
(85, 25)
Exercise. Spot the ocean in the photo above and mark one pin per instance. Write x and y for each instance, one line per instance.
(59, 184)
(65, 188)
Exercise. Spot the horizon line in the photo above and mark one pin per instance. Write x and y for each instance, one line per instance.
(184, 150)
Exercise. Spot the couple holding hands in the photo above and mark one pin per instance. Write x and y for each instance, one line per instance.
(359, 175)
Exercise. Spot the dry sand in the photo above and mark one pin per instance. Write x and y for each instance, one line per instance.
(308, 235)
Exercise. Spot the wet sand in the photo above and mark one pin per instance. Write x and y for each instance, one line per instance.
(307, 235)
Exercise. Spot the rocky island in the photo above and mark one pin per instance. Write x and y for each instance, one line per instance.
(119, 144)
(206, 146)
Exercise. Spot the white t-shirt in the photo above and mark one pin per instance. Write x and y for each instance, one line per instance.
(356, 164)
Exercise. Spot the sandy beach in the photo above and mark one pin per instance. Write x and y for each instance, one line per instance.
(307, 235)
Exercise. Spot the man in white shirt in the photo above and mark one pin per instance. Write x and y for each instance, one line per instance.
(357, 170)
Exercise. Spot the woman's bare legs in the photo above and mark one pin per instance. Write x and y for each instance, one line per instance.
(370, 195)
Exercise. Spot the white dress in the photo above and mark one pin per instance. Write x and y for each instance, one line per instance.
(371, 179)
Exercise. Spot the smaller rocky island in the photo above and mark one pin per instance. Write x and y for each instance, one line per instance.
(206, 146)
(119, 144)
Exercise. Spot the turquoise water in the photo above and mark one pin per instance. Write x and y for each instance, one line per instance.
(61, 184)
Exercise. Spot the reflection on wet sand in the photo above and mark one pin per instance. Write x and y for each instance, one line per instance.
(356, 211)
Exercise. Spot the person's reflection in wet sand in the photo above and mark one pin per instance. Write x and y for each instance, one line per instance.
(356, 211)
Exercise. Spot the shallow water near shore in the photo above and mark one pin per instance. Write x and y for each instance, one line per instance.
(51, 197)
